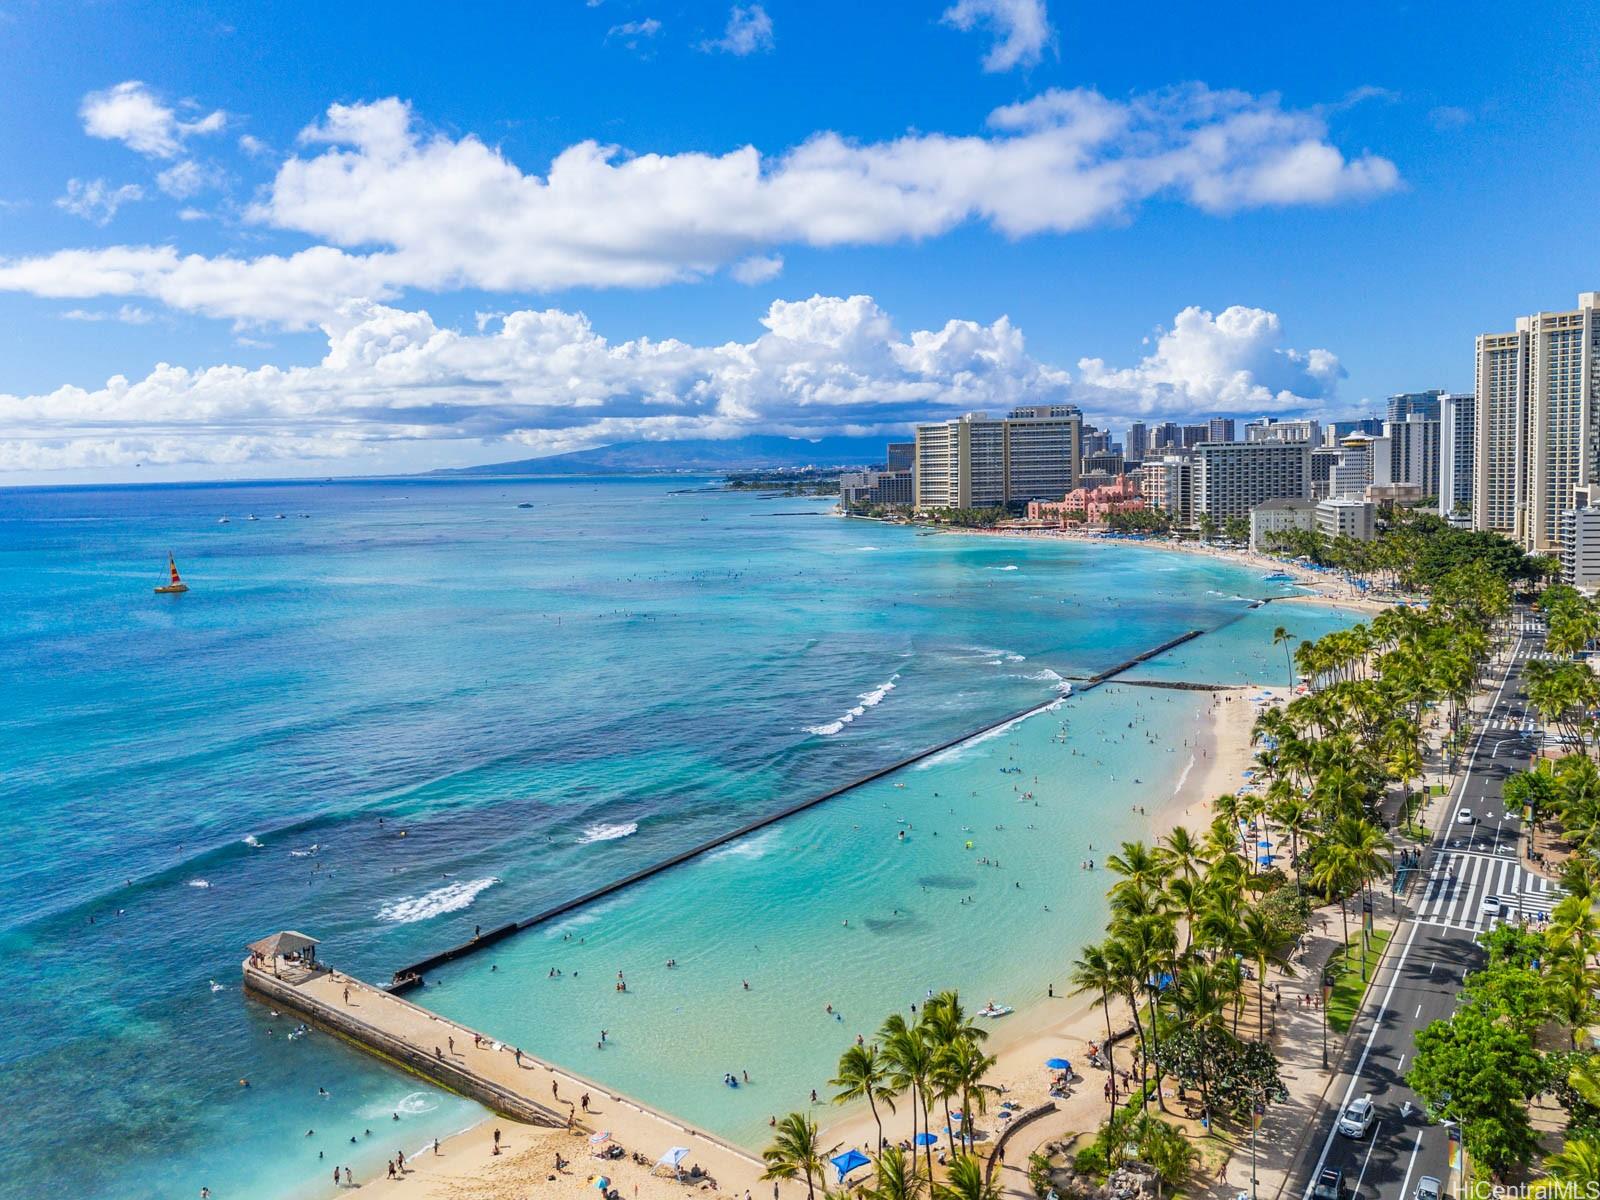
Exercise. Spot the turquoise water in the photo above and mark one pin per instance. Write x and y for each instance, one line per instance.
(544, 698)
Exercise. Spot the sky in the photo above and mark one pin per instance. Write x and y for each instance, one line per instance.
(287, 239)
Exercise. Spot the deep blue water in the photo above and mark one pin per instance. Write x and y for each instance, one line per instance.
(543, 698)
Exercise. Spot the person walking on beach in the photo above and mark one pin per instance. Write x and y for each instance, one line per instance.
(584, 1101)
(497, 1135)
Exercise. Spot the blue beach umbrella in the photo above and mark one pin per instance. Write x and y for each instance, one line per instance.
(1266, 859)
(1264, 844)
(927, 1139)
(1058, 1064)
(849, 1161)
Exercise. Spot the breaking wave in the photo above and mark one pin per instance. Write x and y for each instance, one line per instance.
(866, 700)
(608, 833)
(453, 897)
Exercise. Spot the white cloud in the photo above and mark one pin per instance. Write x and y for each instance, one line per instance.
(633, 34)
(1231, 362)
(537, 382)
(96, 200)
(758, 268)
(131, 114)
(187, 178)
(128, 314)
(1021, 29)
(394, 207)
(253, 146)
(749, 30)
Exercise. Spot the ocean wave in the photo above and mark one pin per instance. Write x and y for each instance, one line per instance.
(747, 847)
(453, 897)
(961, 749)
(308, 852)
(199, 883)
(1064, 686)
(252, 841)
(1007, 567)
(608, 833)
(867, 700)
(412, 1104)
(1184, 778)
(996, 657)
(866, 549)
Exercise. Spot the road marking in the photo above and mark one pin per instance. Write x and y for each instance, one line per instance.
(1371, 1146)
(1410, 1163)
(1431, 966)
(1418, 1013)
(1400, 1065)
(1355, 1078)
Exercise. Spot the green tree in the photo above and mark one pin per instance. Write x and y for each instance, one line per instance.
(794, 1151)
(1480, 1072)
(895, 1176)
(864, 1075)
(965, 1179)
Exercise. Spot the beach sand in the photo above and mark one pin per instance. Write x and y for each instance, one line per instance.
(467, 1169)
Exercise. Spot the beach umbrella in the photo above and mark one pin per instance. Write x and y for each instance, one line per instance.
(927, 1139)
(1266, 859)
(1058, 1064)
(1264, 844)
(601, 1183)
(599, 1139)
(849, 1161)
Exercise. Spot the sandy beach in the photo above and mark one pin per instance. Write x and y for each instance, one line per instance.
(465, 1166)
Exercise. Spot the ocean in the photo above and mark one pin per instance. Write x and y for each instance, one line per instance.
(545, 684)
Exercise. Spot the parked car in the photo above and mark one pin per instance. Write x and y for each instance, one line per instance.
(1428, 1188)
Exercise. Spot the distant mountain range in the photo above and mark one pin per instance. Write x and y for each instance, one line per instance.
(698, 454)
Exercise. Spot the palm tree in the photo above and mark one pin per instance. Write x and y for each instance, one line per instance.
(1282, 637)
(1201, 1000)
(1183, 851)
(1093, 972)
(965, 1179)
(1140, 867)
(863, 1074)
(910, 1060)
(1258, 943)
(962, 1068)
(794, 1151)
(896, 1177)
(1576, 1165)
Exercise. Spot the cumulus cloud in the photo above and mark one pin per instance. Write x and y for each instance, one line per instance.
(391, 206)
(1021, 29)
(749, 31)
(131, 113)
(128, 314)
(188, 178)
(531, 382)
(96, 200)
(1231, 362)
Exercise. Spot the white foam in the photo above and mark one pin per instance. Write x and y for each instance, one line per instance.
(866, 700)
(1049, 676)
(747, 847)
(200, 883)
(959, 750)
(866, 549)
(412, 1104)
(1189, 766)
(250, 839)
(1007, 567)
(453, 897)
(608, 833)
(307, 852)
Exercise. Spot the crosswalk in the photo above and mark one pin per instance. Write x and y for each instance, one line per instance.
(1456, 892)
(1512, 723)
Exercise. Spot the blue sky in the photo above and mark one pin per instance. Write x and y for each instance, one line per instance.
(320, 215)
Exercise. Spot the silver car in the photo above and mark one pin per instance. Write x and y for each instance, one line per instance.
(1428, 1188)
(1356, 1120)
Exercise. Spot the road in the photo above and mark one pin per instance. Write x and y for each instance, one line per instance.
(1466, 865)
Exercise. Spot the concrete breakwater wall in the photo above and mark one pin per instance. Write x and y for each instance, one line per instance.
(413, 975)
(444, 1072)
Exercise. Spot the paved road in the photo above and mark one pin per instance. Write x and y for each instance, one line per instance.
(1445, 910)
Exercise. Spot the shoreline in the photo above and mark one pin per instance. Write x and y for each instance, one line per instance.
(467, 1169)
(1326, 590)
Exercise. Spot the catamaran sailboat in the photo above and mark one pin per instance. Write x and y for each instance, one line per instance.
(177, 584)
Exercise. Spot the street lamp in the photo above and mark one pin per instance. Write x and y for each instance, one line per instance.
(1327, 991)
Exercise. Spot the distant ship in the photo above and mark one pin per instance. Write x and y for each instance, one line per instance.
(222, 520)
(177, 585)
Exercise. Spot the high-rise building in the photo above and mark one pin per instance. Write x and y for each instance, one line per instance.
(1537, 417)
(1580, 539)
(902, 456)
(1323, 461)
(1457, 441)
(1363, 461)
(977, 461)
(1414, 451)
(1137, 442)
(1166, 436)
(1270, 429)
(1193, 435)
(1169, 484)
(1095, 441)
(1234, 477)
(1106, 462)
(1219, 429)
(1335, 432)
(1342, 516)
(1404, 404)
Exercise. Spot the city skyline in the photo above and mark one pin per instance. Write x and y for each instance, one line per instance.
(613, 224)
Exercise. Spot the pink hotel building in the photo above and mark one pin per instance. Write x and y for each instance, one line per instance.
(1095, 503)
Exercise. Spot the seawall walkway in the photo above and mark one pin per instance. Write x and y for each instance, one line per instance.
(459, 1059)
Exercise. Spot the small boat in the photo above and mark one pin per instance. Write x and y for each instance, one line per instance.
(524, 504)
(177, 585)
(992, 1009)
(279, 517)
(252, 517)
(222, 520)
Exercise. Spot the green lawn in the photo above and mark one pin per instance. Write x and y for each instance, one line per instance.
(1348, 986)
